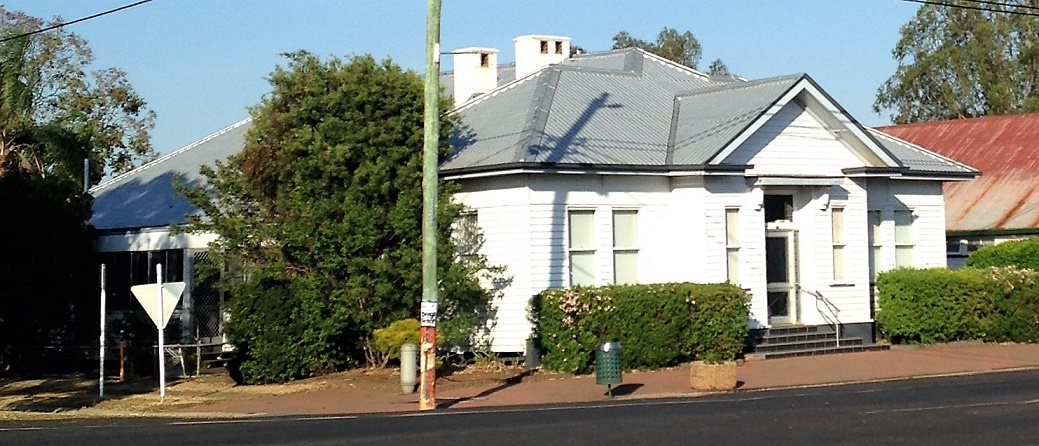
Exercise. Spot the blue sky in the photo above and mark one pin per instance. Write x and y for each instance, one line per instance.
(201, 64)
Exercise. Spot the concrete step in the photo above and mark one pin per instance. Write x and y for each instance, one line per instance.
(817, 351)
(800, 337)
(805, 345)
(795, 329)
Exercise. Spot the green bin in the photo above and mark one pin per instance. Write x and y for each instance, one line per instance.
(608, 364)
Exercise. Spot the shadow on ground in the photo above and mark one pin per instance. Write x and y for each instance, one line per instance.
(65, 392)
(506, 383)
(623, 389)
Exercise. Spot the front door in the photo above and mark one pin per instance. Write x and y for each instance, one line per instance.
(781, 272)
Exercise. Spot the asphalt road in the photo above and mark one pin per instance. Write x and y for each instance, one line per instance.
(980, 409)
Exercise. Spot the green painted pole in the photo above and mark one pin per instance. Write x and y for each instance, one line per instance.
(430, 146)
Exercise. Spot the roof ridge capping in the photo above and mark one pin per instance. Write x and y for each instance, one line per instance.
(1010, 117)
(793, 78)
(672, 64)
(172, 154)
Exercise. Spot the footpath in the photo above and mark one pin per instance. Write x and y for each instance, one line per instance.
(754, 375)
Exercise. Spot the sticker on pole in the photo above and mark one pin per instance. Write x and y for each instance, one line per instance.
(428, 313)
(147, 295)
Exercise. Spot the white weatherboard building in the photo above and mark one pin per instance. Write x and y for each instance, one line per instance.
(623, 167)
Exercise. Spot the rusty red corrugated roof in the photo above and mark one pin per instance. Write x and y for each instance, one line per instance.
(1006, 151)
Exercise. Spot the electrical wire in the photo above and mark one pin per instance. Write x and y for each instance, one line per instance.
(60, 25)
(979, 8)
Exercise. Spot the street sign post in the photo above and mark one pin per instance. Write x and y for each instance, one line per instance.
(101, 352)
(159, 300)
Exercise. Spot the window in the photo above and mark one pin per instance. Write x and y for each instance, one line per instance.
(876, 240)
(732, 245)
(903, 238)
(779, 207)
(837, 222)
(466, 234)
(581, 226)
(625, 247)
(559, 47)
(544, 47)
(485, 60)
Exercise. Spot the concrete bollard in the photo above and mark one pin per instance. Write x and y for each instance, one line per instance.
(408, 368)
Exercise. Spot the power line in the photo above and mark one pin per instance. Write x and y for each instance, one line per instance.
(978, 8)
(59, 25)
(995, 3)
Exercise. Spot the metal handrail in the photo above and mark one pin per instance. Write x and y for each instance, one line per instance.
(829, 306)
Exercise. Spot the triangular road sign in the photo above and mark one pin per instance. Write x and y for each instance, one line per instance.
(148, 294)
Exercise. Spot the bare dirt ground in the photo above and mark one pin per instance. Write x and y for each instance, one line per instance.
(76, 396)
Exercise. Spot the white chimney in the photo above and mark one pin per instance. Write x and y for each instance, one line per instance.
(476, 72)
(534, 52)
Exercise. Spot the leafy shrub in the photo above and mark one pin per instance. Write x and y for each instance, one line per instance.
(1019, 253)
(389, 340)
(656, 325)
(930, 305)
(940, 305)
(1015, 298)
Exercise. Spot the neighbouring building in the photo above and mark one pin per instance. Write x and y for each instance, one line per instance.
(1003, 203)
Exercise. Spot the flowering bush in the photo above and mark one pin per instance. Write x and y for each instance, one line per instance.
(656, 325)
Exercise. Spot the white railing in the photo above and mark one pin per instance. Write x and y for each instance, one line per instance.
(834, 313)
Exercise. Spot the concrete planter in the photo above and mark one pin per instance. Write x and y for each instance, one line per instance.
(704, 376)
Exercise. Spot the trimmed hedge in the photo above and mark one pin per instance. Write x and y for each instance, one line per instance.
(1019, 253)
(939, 305)
(657, 325)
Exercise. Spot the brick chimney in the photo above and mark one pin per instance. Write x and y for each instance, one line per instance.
(475, 72)
(534, 52)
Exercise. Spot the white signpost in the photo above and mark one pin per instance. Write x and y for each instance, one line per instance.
(159, 300)
(101, 353)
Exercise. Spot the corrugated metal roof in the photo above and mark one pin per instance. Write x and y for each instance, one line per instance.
(611, 108)
(710, 118)
(1006, 151)
(145, 197)
(919, 159)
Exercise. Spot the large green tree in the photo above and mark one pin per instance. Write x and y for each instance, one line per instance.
(319, 218)
(56, 109)
(962, 62)
(677, 47)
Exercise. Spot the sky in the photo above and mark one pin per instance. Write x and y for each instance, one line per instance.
(201, 64)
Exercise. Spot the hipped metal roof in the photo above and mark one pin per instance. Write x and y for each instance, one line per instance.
(631, 109)
(1006, 150)
(621, 110)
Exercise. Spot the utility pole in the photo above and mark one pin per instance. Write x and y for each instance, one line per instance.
(430, 148)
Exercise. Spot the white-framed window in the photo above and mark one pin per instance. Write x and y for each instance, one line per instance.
(876, 241)
(732, 245)
(625, 247)
(903, 238)
(837, 225)
(581, 244)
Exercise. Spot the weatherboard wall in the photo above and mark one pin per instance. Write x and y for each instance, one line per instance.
(793, 142)
(503, 215)
(924, 199)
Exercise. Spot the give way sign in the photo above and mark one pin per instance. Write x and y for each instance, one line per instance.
(148, 296)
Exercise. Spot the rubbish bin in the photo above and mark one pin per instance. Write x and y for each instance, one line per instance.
(608, 365)
(408, 368)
